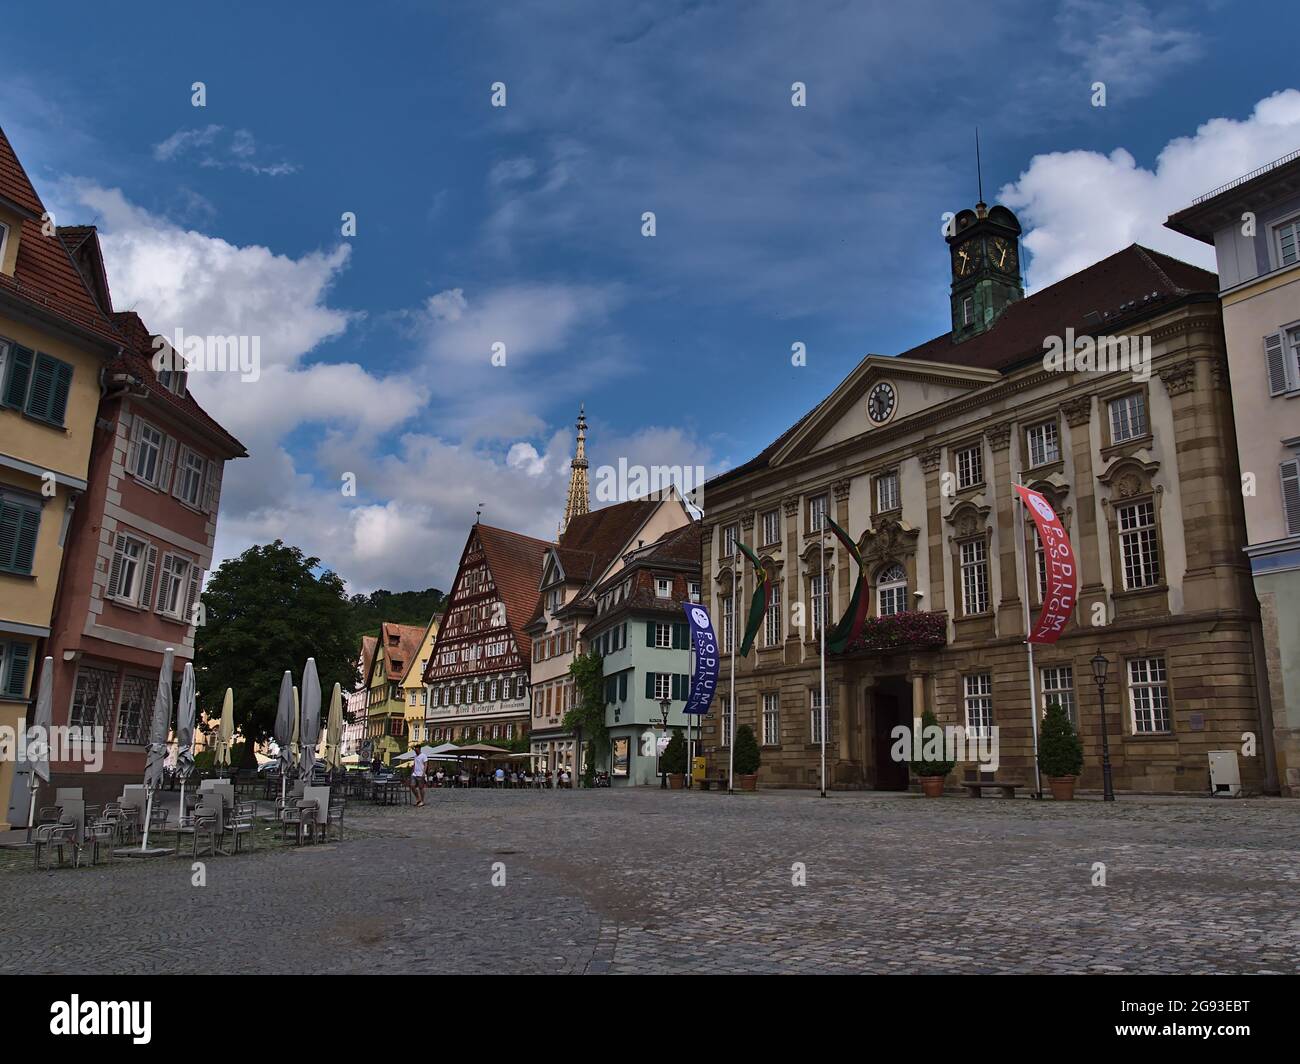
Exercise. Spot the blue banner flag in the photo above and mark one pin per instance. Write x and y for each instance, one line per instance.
(704, 681)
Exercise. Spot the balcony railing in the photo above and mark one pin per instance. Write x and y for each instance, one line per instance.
(910, 630)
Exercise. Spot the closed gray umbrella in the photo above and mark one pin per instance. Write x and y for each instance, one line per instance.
(284, 719)
(185, 730)
(39, 728)
(157, 755)
(310, 734)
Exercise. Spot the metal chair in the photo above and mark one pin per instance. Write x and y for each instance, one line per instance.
(57, 836)
(244, 823)
(308, 814)
(334, 818)
(100, 835)
(204, 826)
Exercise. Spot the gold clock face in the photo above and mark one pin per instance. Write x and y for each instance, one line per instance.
(966, 259)
(1002, 254)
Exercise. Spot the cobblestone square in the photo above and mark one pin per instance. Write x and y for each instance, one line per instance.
(640, 881)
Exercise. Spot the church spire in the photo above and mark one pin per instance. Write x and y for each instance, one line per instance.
(579, 500)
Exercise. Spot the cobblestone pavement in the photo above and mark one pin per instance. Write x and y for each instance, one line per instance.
(643, 881)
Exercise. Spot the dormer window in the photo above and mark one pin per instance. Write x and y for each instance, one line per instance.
(173, 380)
(4, 241)
(663, 587)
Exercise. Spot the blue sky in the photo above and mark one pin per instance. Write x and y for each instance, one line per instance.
(522, 224)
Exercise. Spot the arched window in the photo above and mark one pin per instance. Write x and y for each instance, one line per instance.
(891, 590)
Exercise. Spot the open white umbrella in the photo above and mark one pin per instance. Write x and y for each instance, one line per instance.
(225, 731)
(334, 730)
(157, 755)
(185, 729)
(41, 722)
(310, 719)
(284, 727)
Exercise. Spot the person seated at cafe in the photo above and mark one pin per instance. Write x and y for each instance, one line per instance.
(499, 775)
(438, 777)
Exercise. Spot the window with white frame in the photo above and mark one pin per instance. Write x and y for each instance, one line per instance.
(724, 722)
(728, 623)
(1148, 693)
(1139, 548)
(970, 466)
(1044, 445)
(974, 576)
(146, 464)
(663, 687)
(126, 580)
(663, 635)
(1282, 360)
(730, 537)
(1128, 417)
(1291, 495)
(771, 527)
(189, 478)
(815, 714)
(771, 719)
(664, 586)
(4, 240)
(172, 580)
(1040, 563)
(817, 512)
(967, 310)
(887, 494)
(772, 622)
(817, 596)
(978, 689)
(1057, 684)
(891, 590)
(135, 709)
(694, 590)
(1288, 242)
(92, 698)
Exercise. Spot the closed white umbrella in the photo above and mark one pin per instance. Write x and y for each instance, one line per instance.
(284, 727)
(334, 730)
(295, 754)
(310, 719)
(157, 755)
(225, 731)
(185, 729)
(42, 721)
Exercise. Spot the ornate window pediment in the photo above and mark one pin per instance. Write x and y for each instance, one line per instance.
(968, 520)
(1129, 477)
(888, 538)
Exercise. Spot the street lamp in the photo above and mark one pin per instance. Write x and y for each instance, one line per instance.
(1100, 667)
(665, 704)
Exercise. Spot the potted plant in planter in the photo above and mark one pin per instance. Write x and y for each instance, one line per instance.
(746, 758)
(673, 760)
(1060, 754)
(931, 770)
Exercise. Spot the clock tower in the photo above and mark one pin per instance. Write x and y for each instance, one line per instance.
(985, 249)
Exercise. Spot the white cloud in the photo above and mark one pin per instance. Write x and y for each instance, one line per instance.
(524, 456)
(214, 149)
(1124, 44)
(1080, 206)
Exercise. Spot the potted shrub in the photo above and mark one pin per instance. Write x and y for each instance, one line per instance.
(673, 760)
(1060, 754)
(931, 771)
(746, 758)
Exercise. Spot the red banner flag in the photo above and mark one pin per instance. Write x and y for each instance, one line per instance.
(1062, 574)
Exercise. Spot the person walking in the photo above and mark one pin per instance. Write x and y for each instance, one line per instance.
(418, 781)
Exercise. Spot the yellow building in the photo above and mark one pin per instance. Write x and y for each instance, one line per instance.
(398, 646)
(54, 342)
(414, 693)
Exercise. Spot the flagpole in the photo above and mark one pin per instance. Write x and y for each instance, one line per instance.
(821, 621)
(731, 743)
(1021, 548)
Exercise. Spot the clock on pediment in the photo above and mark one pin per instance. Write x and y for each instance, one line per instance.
(882, 401)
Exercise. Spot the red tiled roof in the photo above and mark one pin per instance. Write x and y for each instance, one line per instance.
(368, 644)
(397, 658)
(516, 564)
(1119, 291)
(137, 358)
(44, 274)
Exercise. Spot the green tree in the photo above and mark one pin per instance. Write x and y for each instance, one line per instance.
(1059, 750)
(264, 612)
(588, 709)
(746, 756)
(673, 759)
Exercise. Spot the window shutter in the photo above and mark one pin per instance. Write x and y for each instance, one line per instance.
(210, 487)
(10, 518)
(168, 460)
(20, 655)
(680, 637)
(150, 568)
(133, 445)
(686, 685)
(59, 396)
(20, 375)
(115, 573)
(1275, 357)
(650, 633)
(29, 523)
(40, 398)
(1291, 495)
(649, 685)
(622, 687)
(675, 686)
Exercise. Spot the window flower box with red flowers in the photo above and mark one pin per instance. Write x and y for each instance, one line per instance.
(909, 630)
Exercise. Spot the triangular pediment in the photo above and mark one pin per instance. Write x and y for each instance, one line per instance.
(895, 389)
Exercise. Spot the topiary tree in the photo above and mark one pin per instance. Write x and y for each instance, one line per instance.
(929, 765)
(1059, 751)
(746, 756)
(673, 759)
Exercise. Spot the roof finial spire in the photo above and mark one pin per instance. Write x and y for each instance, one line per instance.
(579, 499)
(981, 208)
